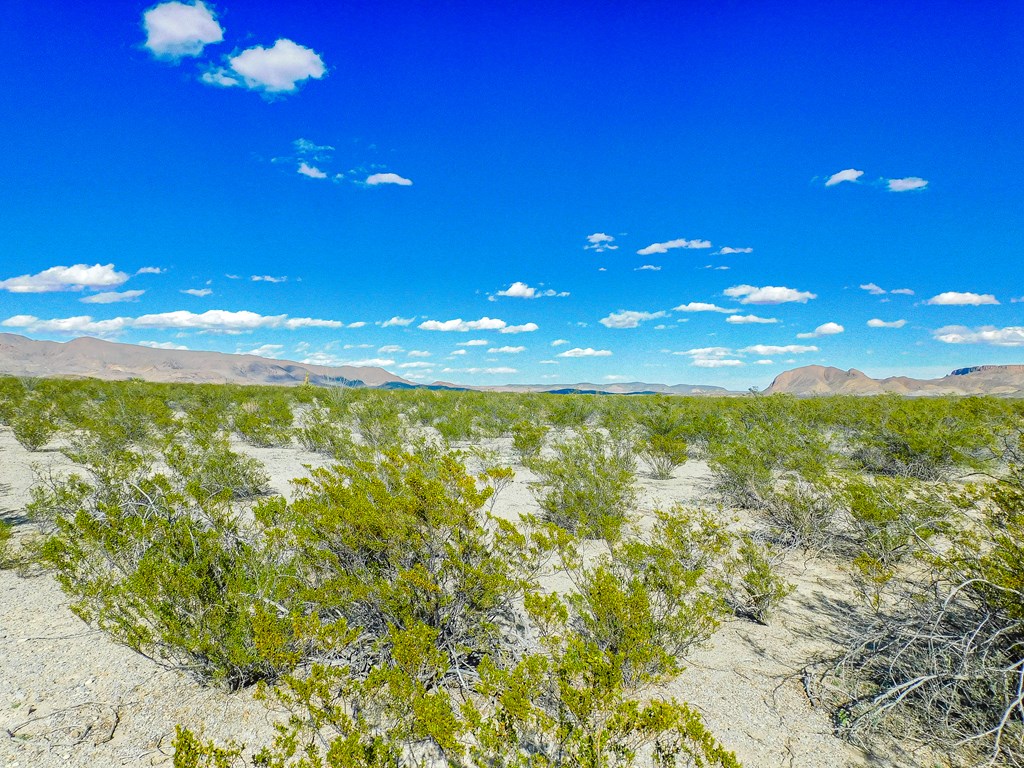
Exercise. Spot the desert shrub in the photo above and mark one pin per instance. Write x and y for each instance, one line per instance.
(528, 439)
(320, 432)
(944, 660)
(208, 470)
(573, 411)
(801, 514)
(662, 444)
(265, 421)
(758, 588)
(379, 421)
(588, 487)
(11, 394)
(6, 534)
(34, 425)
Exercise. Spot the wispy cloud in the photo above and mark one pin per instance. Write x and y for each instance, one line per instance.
(673, 244)
(524, 328)
(700, 306)
(727, 251)
(505, 350)
(585, 352)
(600, 242)
(768, 294)
(311, 171)
(398, 321)
(200, 292)
(648, 268)
(762, 350)
(908, 184)
(459, 325)
(269, 279)
(1011, 336)
(211, 321)
(627, 318)
(747, 319)
(111, 297)
(874, 290)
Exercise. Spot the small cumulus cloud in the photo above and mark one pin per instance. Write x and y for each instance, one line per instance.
(648, 268)
(906, 185)
(700, 306)
(524, 328)
(473, 343)
(264, 350)
(376, 179)
(73, 278)
(459, 325)
(417, 365)
(746, 319)
(962, 299)
(174, 30)
(876, 323)
(280, 69)
(311, 171)
(629, 318)
(825, 329)
(390, 349)
(111, 297)
(398, 321)
(850, 174)
(673, 244)
(585, 352)
(162, 345)
(762, 350)
(520, 290)
(600, 242)
(874, 290)
(1011, 336)
(268, 279)
(768, 294)
(200, 292)
(559, 342)
(902, 292)
(150, 271)
(505, 350)
(418, 353)
(727, 250)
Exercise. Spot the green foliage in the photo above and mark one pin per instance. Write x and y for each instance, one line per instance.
(663, 438)
(265, 421)
(759, 587)
(6, 534)
(589, 485)
(379, 422)
(528, 439)
(320, 432)
(208, 471)
(34, 424)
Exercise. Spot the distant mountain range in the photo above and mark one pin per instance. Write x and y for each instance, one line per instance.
(1007, 380)
(95, 358)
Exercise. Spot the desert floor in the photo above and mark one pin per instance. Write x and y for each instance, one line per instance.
(71, 697)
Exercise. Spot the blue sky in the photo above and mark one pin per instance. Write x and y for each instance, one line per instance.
(516, 192)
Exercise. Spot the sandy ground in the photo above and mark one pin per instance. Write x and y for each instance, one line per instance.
(71, 697)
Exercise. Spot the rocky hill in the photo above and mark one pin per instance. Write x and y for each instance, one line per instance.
(1007, 380)
(94, 358)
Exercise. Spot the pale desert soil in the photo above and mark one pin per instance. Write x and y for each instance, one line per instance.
(71, 697)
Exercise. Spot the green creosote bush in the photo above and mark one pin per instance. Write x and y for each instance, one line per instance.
(588, 487)
(528, 439)
(379, 421)
(34, 424)
(758, 587)
(662, 442)
(208, 470)
(322, 433)
(265, 421)
(6, 535)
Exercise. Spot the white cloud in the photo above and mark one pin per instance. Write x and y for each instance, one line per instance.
(1011, 336)
(876, 323)
(716, 362)
(559, 342)
(419, 365)
(77, 324)
(965, 299)
(850, 174)
(744, 319)
(111, 297)
(648, 268)
(307, 147)
(587, 352)
(700, 306)
(357, 324)
(419, 353)
(547, 362)
(903, 291)
(764, 362)
(461, 326)
(150, 271)
(398, 321)
(768, 349)
(505, 350)
(176, 29)
(524, 328)
(73, 278)
(268, 279)
(278, 69)
(219, 77)
(874, 290)
(671, 244)
(473, 343)
(264, 350)
(373, 362)
(458, 352)
(727, 250)
(200, 292)
(312, 172)
(626, 318)
(162, 345)
(490, 371)
(600, 242)
(907, 184)
(769, 294)
(707, 352)
(825, 329)
(211, 321)
(520, 290)
(387, 178)
(390, 349)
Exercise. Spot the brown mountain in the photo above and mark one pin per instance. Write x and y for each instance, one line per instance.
(821, 380)
(94, 358)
